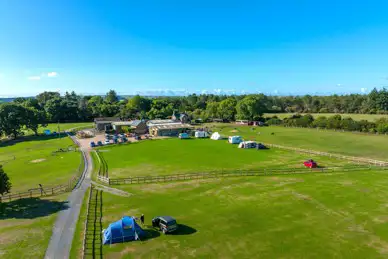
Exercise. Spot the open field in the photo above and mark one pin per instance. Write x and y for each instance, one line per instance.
(346, 143)
(26, 226)
(172, 156)
(342, 215)
(64, 126)
(31, 162)
(354, 116)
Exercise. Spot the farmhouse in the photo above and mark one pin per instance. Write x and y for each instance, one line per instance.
(104, 123)
(182, 117)
(137, 126)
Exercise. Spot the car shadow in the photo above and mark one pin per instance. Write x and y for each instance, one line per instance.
(150, 233)
(183, 230)
(30, 208)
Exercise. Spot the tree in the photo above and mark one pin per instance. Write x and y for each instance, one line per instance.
(111, 97)
(5, 184)
(34, 119)
(12, 119)
(44, 97)
(251, 107)
(227, 109)
(212, 110)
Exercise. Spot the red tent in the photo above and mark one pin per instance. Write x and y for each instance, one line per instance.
(310, 163)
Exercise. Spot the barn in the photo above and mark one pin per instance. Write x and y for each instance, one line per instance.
(104, 123)
(137, 126)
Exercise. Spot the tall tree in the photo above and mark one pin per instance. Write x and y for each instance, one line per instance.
(111, 97)
(251, 107)
(12, 119)
(5, 184)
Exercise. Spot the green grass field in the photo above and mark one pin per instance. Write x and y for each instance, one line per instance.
(30, 162)
(26, 226)
(347, 143)
(342, 215)
(358, 117)
(172, 156)
(64, 126)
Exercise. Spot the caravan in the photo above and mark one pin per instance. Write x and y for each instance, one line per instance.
(247, 144)
(201, 134)
(235, 139)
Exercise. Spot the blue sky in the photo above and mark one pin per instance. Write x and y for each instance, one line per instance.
(274, 47)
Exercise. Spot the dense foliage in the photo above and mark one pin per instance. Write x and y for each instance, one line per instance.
(5, 184)
(335, 122)
(47, 107)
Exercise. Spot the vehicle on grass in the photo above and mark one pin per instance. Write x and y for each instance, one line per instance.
(166, 224)
(261, 146)
(92, 144)
(310, 163)
(99, 143)
(201, 134)
(183, 136)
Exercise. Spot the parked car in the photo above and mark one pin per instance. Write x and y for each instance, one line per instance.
(107, 142)
(310, 163)
(166, 224)
(92, 144)
(183, 136)
(99, 143)
(137, 138)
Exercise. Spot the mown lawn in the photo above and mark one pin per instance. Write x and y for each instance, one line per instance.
(347, 143)
(342, 215)
(30, 161)
(172, 156)
(26, 226)
(64, 126)
(357, 117)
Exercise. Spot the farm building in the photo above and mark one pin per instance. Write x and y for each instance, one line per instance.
(168, 129)
(182, 117)
(137, 126)
(105, 123)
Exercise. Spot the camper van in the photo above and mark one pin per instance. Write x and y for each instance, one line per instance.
(201, 134)
(235, 139)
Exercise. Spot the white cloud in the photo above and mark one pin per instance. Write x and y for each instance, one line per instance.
(34, 78)
(275, 91)
(339, 85)
(52, 74)
(363, 90)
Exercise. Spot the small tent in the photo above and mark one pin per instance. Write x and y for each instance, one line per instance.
(235, 139)
(201, 134)
(216, 136)
(126, 229)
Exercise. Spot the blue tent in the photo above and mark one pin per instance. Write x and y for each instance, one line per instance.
(126, 229)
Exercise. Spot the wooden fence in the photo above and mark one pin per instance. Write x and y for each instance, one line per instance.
(224, 174)
(48, 191)
(92, 243)
(360, 160)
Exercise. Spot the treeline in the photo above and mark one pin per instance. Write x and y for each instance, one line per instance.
(31, 113)
(335, 122)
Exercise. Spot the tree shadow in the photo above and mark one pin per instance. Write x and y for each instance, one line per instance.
(183, 230)
(30, 208)
(6, 143)
(150, 233)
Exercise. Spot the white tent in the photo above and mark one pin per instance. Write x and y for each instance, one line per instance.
(201, 134)
(235, 139)
(216, 136)
(247, 144)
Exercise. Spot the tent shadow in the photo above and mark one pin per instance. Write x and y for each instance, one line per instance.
(30, 208)
(150, 233)
(183, 230)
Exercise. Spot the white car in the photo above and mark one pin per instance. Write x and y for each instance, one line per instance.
(106, 142)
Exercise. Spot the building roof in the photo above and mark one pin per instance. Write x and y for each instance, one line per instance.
(106, 119)
(172, 126)
(136, 123)
(133, 123)
(157, 122)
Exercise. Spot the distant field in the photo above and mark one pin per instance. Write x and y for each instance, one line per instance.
(340, 215)
(172, 156)
(63, 126)
(26, 226)
(31, 161)
(347, 143)
(358, 117)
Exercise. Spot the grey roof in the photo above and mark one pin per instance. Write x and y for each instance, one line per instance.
(136, 123)
(167, 218)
